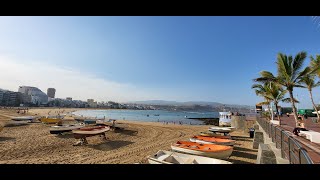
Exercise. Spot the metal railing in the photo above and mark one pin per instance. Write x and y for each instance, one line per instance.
(290, 148)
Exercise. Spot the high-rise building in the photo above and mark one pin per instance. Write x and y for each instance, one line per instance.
(36, 95)
(51, 92)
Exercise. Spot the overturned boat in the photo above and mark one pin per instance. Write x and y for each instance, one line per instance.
(169, 157)
(208, 150)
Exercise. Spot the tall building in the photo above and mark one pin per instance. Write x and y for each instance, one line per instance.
(69, 98)
(36, 96)
(51, 92)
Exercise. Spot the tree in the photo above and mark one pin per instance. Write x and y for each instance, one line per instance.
(276, 94)
(289, 74)
(261, 90)
(315, 64)
(309, 82)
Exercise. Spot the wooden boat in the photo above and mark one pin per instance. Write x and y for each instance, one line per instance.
(64, 128)
(90, 131)
(213, 134)
(209, 150)
(169, 157)
(51, 119)
(24, 118)
(212, 140)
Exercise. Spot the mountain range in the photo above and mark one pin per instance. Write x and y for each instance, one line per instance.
(188, 103)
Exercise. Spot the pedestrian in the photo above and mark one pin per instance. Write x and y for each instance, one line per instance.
(288, 114)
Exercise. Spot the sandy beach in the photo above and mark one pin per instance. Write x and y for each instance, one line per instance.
(33, 143)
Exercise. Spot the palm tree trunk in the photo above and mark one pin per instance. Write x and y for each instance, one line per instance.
(268, 106)
(276, 104)
(314, 106)
(294, 109)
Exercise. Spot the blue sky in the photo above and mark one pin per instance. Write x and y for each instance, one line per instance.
(140, 58)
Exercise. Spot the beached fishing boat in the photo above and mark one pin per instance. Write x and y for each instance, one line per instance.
(90, 131)
(64, 128)
(212, 140)
(213, 134)
(209, 150)
(51, 119)
(24, 118)
(221, 129)
(169, 157)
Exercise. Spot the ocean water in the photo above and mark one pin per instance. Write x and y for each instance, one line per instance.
(149, 115)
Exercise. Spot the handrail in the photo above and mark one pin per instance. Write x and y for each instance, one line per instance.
(292, 149)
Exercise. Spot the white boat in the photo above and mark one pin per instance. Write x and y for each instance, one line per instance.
(64, 128)
(24, 118)
(169, 157)
(221, 129)
(208, 150)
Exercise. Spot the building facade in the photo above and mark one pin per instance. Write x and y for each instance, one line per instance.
(36, 96)
(51, 92)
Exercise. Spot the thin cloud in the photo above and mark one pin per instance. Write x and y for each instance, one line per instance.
(68, 82)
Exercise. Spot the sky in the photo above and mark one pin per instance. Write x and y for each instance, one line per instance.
(135, 58)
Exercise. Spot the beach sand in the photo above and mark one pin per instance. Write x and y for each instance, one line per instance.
(33, 143)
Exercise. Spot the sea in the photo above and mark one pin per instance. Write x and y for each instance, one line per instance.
(149, 115)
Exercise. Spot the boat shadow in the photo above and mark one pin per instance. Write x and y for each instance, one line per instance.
(110, 145)
(241, 138)
(6, 139)
(244, 154)
(126, 132)
(244, 149)
(65, 136)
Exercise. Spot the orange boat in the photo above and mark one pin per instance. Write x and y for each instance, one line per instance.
(209, 150)
(212, 140)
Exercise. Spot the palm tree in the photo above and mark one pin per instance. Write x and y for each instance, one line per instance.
(314, 64)
(276, 94)
(261, 90)
(289, 74)
(309, 83)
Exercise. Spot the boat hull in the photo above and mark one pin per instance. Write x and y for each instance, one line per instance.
(219, 155)
(82, 133)
(24, 118)
(231, 143)
(63, 129)
(169, 157)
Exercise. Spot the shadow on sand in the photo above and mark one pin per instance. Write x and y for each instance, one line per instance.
(110, 145)
(244, 154)
(126, 132)
(6, 139)
(65, 135)
(244, 149)
(241, 138)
